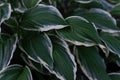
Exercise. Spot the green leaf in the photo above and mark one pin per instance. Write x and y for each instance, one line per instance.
(5, 12)
(103, 4)
(34, 65)
(116, 10)
(38, 47)
(31, 3)
(7, 48)
(42, 18)
(93, 4)
(17, 5)
(102, 19)
(11, 22)
(114, 76)
(106, 5)
(16, 72)
(113, 58)
(112, 41)
(80, 32)
(64, 63)
(91, 63)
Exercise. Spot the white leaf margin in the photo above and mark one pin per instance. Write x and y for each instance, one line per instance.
(17, 65)
(58, 75)
(40, 60)
(9, 12)
(84, 2)
(14, 46)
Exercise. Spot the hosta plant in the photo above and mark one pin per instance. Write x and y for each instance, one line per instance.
(59, 40)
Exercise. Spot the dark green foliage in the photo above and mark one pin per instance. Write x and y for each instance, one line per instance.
(59, 39)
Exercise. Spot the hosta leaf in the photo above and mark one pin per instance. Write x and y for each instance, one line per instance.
(80, 32)
(42, 18)
(114, 76)
(106, 5)
(91, 63)
(102, 19)
(114, 58)
(84, 1)
(112, 41)
(36, 66)
(11, 22)
(93, 4)
(30, 3)
(5, 11)
(116, 10)
(117, 60)
(103, 4)
(7, 48)
(64, 64)
(39, 48)
(18, 6)
(16, 72)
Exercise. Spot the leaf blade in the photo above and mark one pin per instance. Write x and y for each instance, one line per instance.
(111, 41)
(115, 10)
(91, 64)
(64, 63)
(80, 32)
(102, 19)
(7, 48)
(32, 3)
(5, 12)
(16, 72)
(114, 76)
(46, 18)
(38, 47)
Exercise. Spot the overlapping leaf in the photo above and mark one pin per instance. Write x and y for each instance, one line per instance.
(36, 66)
(16, 72)
(17, 5)
(114, 76)
(116, 10)
(64, 64)
(106, 5)
(102, 19)
(30, 3)
(7, 48)
(112, 41)
(42, 18)
(103, 4)
(114, 58)
(80, 32)
(39, 48)
(91, 63)
(5, 11)
(11, 22)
